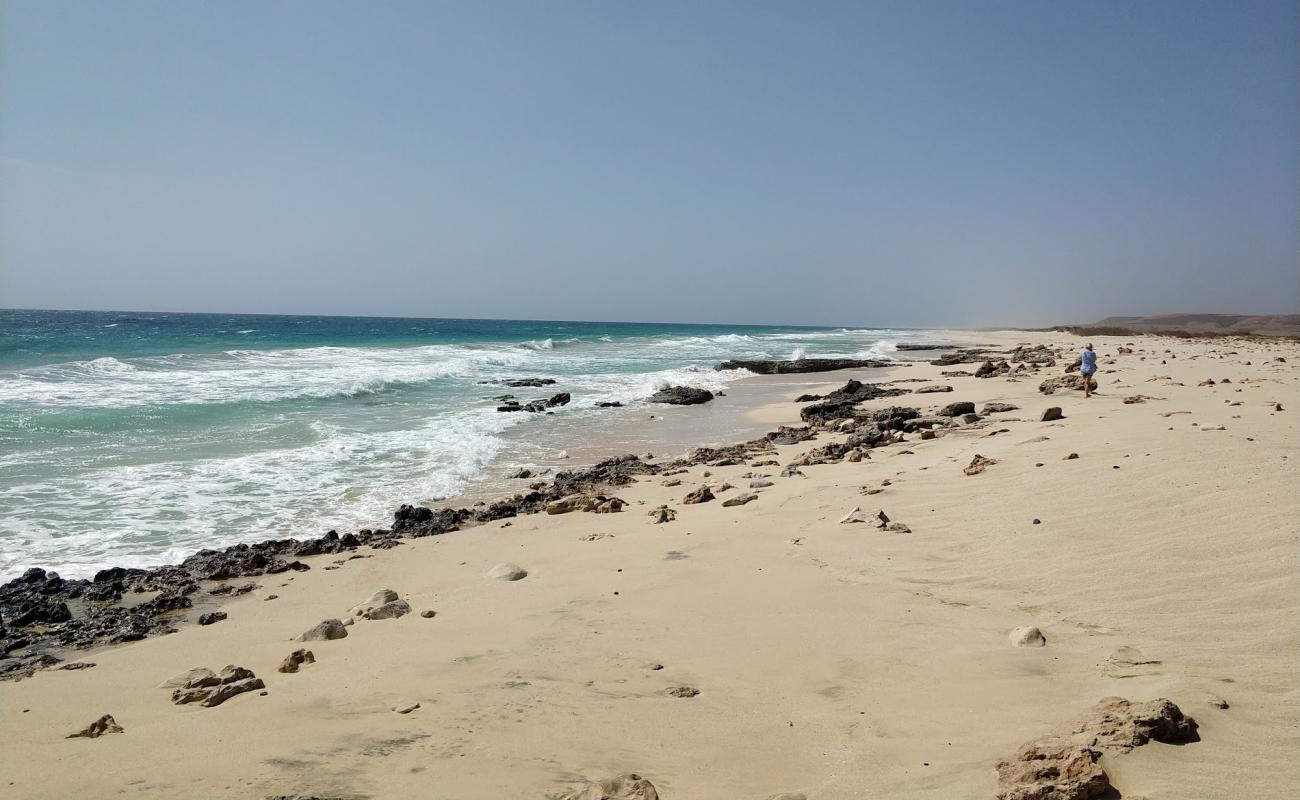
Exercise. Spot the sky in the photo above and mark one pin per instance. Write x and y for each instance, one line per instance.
(860, 163)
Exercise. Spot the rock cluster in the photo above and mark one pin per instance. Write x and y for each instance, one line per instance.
(681, 396)
(509, 403)
(624, 787)
(210, 689)
(777, 367)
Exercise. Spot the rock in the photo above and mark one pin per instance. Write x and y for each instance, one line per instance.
(1065, 766)
(428, 613)
(740, 499)
(1071, 457)
(990, 370)
(997, 408)
(1217, 702)
(1277, 407)
(212, 617)
(957, 409)
(522, 474)
(519, 383)
(1052, 414)
(506, 571)
(933, 388)
(928, 434)
(599, 504)
(101, 726)
(609, 404)
(701, 495)
(1206, 382)
(609, 505)
(296, 659)
(760, 484)
(231, 681)
(1028, 636)
(897, 527)
(977, 464)
(625, 787)
(375, 600)
(199, 676)
(406, 708)
(662, 514)
(1051, 769)
(855, 515)
(1075, 381)
(776, 367)
(1135, 399)
(787, 796)
(325, 631)
(683, 691)
(791, 472)
(393, 610)
(681, 396)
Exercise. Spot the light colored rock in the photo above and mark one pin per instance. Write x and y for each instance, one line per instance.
(294, 661)
(662, 514)
(505, 571)
(190, 677)
(374, 601)
(854, 515)
(701, 495)
(760, 484)
(978, 464)
(1027, 636)
(325, 631)
(405, 708)
(740, 499)
(393, 610)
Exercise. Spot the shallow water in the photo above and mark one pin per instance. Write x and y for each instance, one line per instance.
(139, 438)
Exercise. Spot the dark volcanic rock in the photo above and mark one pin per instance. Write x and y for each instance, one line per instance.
(771, 367)
(681, 396)
(957, 409)
(520, 383)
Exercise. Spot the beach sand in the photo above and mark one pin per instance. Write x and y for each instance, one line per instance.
(833, 660)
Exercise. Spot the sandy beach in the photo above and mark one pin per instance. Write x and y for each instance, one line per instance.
(829, 659)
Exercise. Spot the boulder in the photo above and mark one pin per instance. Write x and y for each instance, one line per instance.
(760, 484)
(662, 514)
(375, 600)
(392, 610)
(957, 409)
(231, 681)
(1052, 769)
(997, 408)
(506, 571)
(1052, 414)
(681, 396)
(198, 676)
(212, 617)
(740, 499)
(324, 631)
(931, 389)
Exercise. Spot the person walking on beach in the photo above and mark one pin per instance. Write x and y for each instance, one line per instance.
(1087, 366)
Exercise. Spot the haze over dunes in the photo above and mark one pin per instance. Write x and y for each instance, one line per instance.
(1258, 324)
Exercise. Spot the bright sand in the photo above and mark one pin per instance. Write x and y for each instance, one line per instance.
(831, 659)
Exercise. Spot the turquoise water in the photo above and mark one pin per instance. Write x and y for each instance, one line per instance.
(136, 438)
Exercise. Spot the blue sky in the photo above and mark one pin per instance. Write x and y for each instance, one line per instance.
(904, 163)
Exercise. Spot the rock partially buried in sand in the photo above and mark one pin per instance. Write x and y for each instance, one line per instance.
(374, 601)
(191, 677)
(855, 515)
(96, 729)
(1027, 636)
(232, 680)
(662, 514)
(295, 660)
(1064, 766)
(324, 631)
(505, 571)
(405, 708)
(740, 499)
(978, 464)
(683, 691)
(957, 409)
(625, 787)
(1052, 414)
(997, 408)
(701, 495)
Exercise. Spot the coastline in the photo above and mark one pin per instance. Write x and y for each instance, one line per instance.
(835, 660)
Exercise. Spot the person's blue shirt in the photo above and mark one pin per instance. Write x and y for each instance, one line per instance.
(1088, 362)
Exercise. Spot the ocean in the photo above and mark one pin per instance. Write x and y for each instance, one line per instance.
(135, 439)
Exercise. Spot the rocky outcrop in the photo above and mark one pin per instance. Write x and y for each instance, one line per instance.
(681, 396)
(775, 367)
(1064, 766)
(624, 787)
(213, 690)
(535, 406)
(1038, 354)
(521, 383)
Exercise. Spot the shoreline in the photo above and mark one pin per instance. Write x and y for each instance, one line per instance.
(885, 652)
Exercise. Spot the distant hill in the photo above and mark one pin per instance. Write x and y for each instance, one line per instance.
(1261, 325)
